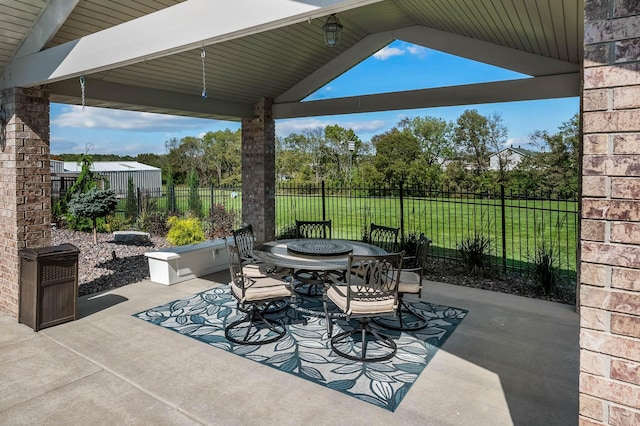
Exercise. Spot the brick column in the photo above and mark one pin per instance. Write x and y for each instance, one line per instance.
(258, 171)
(25, 185)
(610, 242)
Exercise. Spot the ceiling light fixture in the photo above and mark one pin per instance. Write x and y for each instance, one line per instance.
(332, 31)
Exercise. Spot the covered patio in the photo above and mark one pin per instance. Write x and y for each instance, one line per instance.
(269, 56)
(512, 360)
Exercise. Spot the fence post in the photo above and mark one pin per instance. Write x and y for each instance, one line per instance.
(402, 213)
(324, 207)
(172, 199)
(504, 229)
(139, 203)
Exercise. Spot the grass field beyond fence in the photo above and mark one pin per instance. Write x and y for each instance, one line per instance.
(518, 225)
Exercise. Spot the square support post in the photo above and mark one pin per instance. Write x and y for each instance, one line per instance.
(610, 222)
(258, 171)
(25, 185)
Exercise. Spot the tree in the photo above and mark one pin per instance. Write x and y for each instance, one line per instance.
(195, 203)
(93, 204)
(171, 194)
(471, 134)
(557, 165)
(396, 150)
(497, 139)
(222, 156)
(434, 136)
(131, 206)
(338, 155)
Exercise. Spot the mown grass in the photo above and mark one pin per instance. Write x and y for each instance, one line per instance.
(528, 224)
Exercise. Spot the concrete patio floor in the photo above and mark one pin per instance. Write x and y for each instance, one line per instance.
(512, 360)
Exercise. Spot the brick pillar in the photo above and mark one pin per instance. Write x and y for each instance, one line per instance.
(258, 171)
(610, 241)
(25, 185)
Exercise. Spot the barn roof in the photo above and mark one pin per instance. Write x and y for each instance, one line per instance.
(110, 166)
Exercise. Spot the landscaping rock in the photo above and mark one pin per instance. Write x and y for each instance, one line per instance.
(132, 237)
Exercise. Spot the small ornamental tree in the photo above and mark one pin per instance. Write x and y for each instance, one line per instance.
(195, 203)
(131, 206)
(93, 204)
(85, 181)
(171, 192)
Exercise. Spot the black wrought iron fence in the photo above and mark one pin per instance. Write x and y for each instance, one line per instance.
(517, 224)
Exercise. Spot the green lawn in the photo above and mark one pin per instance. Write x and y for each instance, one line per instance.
(529, 224)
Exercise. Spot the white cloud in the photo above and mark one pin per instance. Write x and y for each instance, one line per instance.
(387, 52)
(399, 49)
(111, 119)
(286, 127)
(418, 51)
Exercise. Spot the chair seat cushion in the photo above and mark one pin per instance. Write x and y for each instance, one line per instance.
(367, 306)
(262, 270)
(409, 282)
(261, 288)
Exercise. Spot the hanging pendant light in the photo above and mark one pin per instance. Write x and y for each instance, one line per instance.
(332, 31)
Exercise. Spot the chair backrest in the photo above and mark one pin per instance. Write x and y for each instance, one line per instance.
(235, 265)
(373, 278)
(422, 252)
(313, 229)
(244, 240)
(384, 237)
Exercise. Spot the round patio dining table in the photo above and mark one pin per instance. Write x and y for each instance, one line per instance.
(313, 254)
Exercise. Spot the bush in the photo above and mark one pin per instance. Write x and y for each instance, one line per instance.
(545, 271)
(131, 205)
(155, 223)
(221, 221)
(473, 251)
(114, 223)
(185, 231)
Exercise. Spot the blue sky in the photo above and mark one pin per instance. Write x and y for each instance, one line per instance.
(399, 66)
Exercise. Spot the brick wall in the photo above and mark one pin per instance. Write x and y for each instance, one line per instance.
(258, 171)
(25, 185)
(610, 230)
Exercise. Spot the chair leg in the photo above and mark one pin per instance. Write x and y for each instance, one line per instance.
(399, 323)
(254, 316)
(364, 330)
(326, 316)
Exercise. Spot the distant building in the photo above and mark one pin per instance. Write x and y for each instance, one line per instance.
(116, 174)
(510, 158)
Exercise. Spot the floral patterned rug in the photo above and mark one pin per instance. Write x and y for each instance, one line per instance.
(305, 350)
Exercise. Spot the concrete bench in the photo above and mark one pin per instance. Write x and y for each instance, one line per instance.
(176, 264)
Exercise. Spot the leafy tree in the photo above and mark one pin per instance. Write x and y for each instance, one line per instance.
(338, 155)
(556, 168)
(154, 160)
(497, 139)
(131, 206)
(434, 136)
(93, 204)
(471, 134)
(396, 150)
(195, 203)
(222, 153)
(171, 194)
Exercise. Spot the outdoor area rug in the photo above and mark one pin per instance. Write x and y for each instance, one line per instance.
(305, 350)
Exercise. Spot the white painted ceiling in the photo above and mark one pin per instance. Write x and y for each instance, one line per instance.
(145, 55)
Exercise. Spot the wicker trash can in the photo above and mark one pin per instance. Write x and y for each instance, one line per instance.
(48, 286)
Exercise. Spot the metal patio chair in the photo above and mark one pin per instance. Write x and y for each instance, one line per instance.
(370, 293)
(255, 296)
(410, 282)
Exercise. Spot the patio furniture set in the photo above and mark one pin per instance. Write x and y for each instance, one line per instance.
(363, 281)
